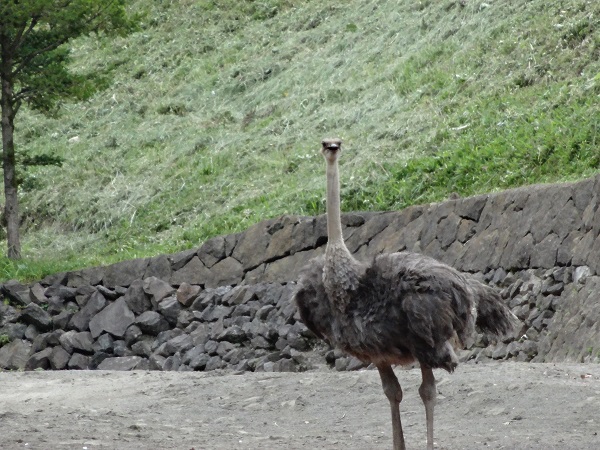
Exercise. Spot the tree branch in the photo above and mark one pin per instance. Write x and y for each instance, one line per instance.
(23, 94)
(16, 106)
(54, 45)
(22, 34)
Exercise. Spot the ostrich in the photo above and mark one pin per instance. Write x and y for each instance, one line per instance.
(397, 309)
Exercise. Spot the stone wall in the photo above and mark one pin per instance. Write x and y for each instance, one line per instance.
(227, 303)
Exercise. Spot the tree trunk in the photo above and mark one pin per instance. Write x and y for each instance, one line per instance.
(11, 207)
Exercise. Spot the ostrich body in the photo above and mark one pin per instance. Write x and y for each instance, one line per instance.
(398, 308)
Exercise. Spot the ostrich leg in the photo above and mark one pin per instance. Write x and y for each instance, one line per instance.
(427, 393)
(393, 391)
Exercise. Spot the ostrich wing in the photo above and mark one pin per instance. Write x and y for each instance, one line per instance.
(433, 299)
(311, 299)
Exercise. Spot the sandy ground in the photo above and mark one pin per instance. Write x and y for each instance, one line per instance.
(495, 406)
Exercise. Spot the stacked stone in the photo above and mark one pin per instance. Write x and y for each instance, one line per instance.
(228, 303)
(153, 325)
(538, 298)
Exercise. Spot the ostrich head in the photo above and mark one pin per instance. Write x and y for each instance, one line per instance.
(331, 149)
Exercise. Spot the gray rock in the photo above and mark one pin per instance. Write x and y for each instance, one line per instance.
(200, 333)
(233, 334)
(541, 320)
(97, 359)
(31, 332)
(157, 289)
(238, 295)
(224, 348)
(39, 360)
(79, 362)
(179, 260)
(90, 277)
(179, 344)
(114, 319)
(109, 294)
(170, 308)
(235, 355)
(192, 353)
(103, 344)
(120, 363)
(260, 342)
(8, 313)
(202, 313)
(136, 297)
(582, 248)
(567, 220)
(59, 358)
(252, 245)
(54, 305)
(81, 319)
(37, 295)
(44, 340)
(285, 365)
(308, 233)
(14, 355)
(500, 352)
(184, 318)
(217, 312)
(213, 363)
(212, 251)
(156, 362)
(66, 294)
(187, 293)
(471, 207)
(124, 273)
(580, 274)
(194, 272)
(199, 361)
(172, 363)
(447, 229)
(226, 272)
(210, 347)
(17, 293)
(152, 323)
(14, 331)
(544, 254)
(62, 319)
(120, 348)
(243, 310)
(132, 334)
(165, 336)
(35, 315)
(142, 348)
(57, 278)
(80, 341)
(159, 267)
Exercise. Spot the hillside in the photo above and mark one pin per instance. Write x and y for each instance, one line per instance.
(215, 111)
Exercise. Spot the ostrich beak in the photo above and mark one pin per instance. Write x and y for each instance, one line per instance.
(332, 145)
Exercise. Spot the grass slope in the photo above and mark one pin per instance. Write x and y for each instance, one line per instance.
(214, 114)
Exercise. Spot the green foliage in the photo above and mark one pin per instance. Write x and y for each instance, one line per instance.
(215, 111)
(4, 339)
(34, 35)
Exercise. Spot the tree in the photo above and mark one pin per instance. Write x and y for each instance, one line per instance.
(34, 70)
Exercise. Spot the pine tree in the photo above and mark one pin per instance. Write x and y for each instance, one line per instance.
(34, 70)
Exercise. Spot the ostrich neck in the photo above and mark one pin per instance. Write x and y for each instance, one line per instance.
(334, 221)
(342, 271)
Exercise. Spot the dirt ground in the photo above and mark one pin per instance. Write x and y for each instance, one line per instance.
(495, 406)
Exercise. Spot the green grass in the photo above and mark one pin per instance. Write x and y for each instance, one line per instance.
(214, 115)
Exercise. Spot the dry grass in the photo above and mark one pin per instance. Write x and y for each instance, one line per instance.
(216, 109)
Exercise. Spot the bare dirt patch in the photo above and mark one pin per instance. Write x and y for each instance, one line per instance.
(496, 406)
